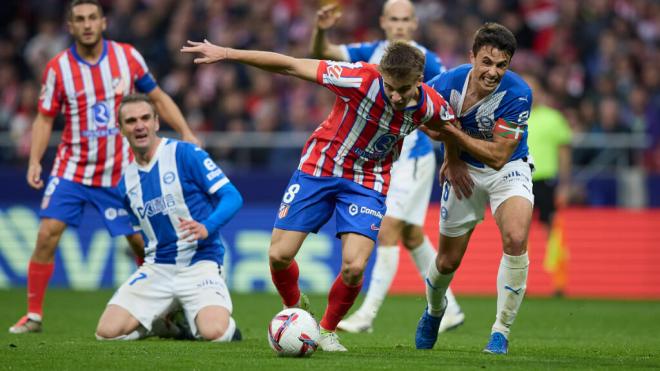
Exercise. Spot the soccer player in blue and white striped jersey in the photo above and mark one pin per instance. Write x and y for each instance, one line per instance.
(179, 199)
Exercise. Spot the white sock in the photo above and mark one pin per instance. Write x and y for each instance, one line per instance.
(231, 328)
(452, 304)
(436, 287)
(422, 255)
(511, 285)
(137, 334)
(387, 262)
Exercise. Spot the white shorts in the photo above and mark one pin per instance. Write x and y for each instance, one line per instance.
(410, 188)
(457, 217)
(153, 288)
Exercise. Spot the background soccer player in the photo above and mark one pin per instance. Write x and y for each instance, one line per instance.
(412, 174)
(486, 162)
(86, 82)
(179, 198)
(345, 164)
(550, 146)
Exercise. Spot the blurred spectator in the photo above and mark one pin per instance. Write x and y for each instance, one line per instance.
(20, 126)
(597, 57)
(43, 46)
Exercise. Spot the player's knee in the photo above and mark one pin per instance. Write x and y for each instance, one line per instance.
(514, 242)
(212, 333)
(447, 264)
(46, 235)
(352, 273)
(412, 242)
(107, 332)
(278, 259)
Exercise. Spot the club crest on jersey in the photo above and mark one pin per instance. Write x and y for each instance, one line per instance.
(169, 177)
(118, 85)
(284, 210)
(485, 124)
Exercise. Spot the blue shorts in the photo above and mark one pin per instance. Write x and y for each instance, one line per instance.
(309, 202)
(65, 200)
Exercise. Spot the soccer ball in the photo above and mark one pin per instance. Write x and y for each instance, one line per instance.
(293, 332)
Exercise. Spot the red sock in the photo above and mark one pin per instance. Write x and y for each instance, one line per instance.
(38, 276)
(340, 299)
(286, 282)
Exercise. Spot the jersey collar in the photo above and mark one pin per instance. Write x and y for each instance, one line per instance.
(77, 56)
(464, 92)
(420, 101)
(147, 168)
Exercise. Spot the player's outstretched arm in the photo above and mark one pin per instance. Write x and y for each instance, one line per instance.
(206, 52)
(41, 131)
(321, 47)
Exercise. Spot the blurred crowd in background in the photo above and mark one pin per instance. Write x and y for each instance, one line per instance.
(599, 59)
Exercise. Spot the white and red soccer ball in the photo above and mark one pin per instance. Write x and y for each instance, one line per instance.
(293, 332)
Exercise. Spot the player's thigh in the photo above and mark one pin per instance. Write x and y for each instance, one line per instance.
(512, 202)
(391, 231)
(307, 204)
(410, 189)
(109, 204)
(460, 216)
(63, 200)
(147, 293)
(359, 210)
(284, 245)
(199, 286)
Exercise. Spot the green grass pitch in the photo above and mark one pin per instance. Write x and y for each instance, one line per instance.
(548, 334)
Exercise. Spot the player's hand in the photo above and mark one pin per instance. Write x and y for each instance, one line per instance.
(191, 138)
(210, 53)
(327, 16)
(34, 176)
(457, 174)
(192, 230)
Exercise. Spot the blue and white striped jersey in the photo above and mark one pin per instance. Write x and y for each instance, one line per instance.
(510, 101)
(177, 184)
(416, 144)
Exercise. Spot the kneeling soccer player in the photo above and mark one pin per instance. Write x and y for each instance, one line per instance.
(179, 199)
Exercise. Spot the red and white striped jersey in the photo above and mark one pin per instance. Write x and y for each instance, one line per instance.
(362, 136)
(92, 150)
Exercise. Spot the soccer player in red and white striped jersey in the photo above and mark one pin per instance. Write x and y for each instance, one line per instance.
(345, 164)
(86, 83)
